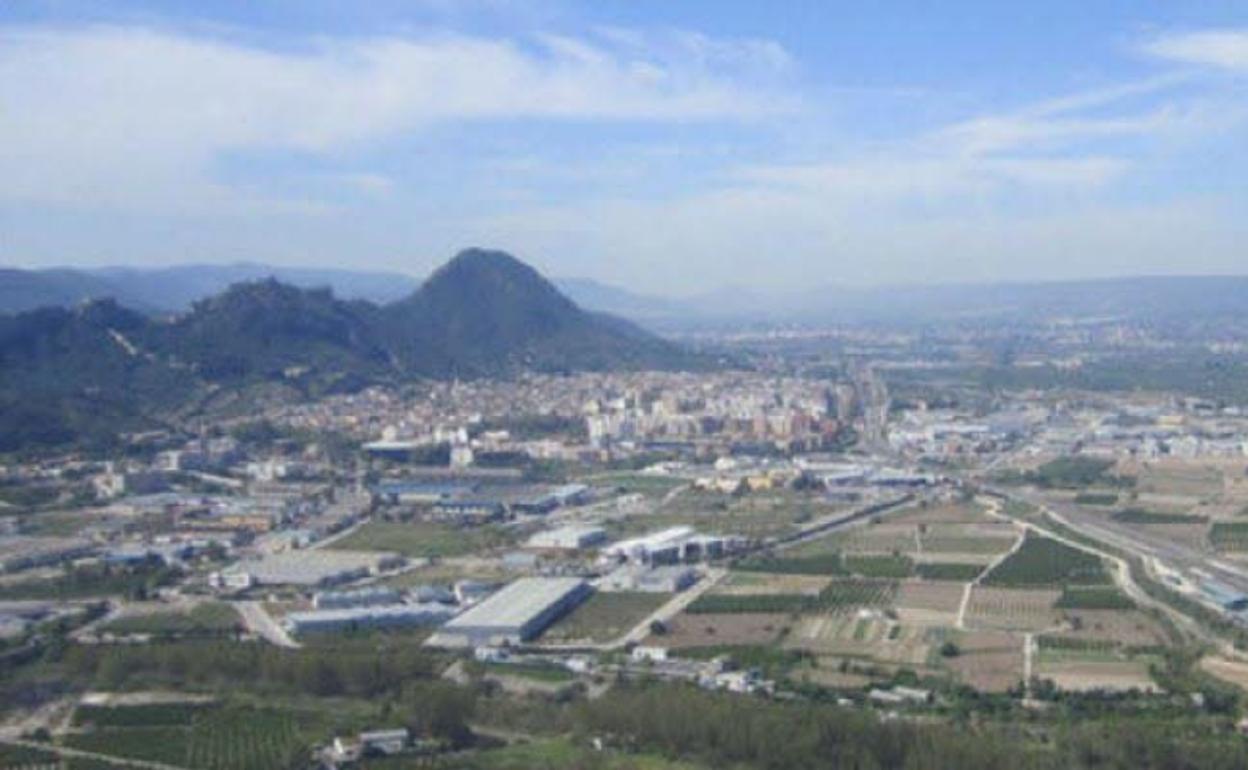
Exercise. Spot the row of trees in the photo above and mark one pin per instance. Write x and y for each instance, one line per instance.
(724, 731)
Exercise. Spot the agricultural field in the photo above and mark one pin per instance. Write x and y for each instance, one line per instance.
(1129, 629)
(210, 737)
(688, 630)
(1013, 609)
(754, 583)
(879, 566)
(867, 635)
(845, 594)
(1094, 598)
(1042, 561)
(1231, 671)
(829, 563)
(604, 616)
(1082, 675)
(873, 539)
(425, 539)
(208, 619)
(1229, 536)
(989, 661)
(929, 604)
(747, 604)
(967, 512)
(950, 571)
(1146, 517)
(991, 538)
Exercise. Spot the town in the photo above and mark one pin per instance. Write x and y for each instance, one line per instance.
(756, 531)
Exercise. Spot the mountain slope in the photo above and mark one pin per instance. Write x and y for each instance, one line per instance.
(175, 289)
(486, 312)
(97, 368)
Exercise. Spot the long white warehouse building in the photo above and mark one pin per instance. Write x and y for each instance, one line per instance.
(515, 614)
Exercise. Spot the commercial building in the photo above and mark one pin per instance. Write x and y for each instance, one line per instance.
(364, 597)
(656, 580)
(323, 567)
(671, 546)
(352, 618)
(572, 537)
(516, 614)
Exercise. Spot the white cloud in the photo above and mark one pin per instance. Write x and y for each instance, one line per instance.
(110, 116)
(1224, 48)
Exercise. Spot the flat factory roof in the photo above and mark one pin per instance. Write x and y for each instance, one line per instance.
(516, 604)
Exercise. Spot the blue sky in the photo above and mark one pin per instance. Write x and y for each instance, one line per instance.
(671, 147)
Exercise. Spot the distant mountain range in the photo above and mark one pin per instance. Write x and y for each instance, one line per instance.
(1188, 299)
(174, 289)
(93, 368)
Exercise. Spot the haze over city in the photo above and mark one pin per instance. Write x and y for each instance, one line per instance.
(669, 148)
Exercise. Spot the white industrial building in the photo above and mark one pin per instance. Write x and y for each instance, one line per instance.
(363, 597)
(322, 567)
(656, 580)
(670, 546)
(570, 538)
(515, 614)
(352, 618)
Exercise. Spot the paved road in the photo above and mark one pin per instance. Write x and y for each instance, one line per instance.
(260, 622)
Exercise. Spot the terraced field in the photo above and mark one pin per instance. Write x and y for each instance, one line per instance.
(1013, 609)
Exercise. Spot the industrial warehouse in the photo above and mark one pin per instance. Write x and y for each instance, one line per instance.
(514, 615)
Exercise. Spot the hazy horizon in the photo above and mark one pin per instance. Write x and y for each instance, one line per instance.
(666, 149)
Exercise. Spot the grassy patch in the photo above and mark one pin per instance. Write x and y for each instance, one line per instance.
(1096, 498)
(211, 619)
(605, 616)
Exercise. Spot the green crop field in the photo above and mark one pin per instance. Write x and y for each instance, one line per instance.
(1096, 498)
(207, 738)
(1229, 536)
(1094, 598)
(956, 572)
(1041, 561)
(148, 715)
(243, 739)
(849, 593)
(1141, 516)
(24, 757)
(879, 566)
(815, 564)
